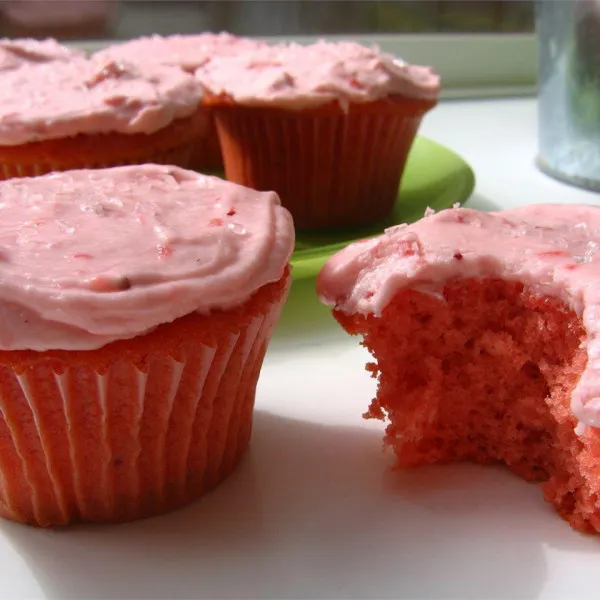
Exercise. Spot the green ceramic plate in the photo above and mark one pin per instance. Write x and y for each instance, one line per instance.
(434, 177)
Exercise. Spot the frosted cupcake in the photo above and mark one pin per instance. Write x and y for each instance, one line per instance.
(137, 304)
(188, 52)
(328, 126)
(95, 113)
(485, 335)
(23, 51)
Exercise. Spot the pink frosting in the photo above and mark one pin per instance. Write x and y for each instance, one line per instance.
(17, 52)
(553, 249)
(186, 51)
(62, 99)
(92, 256)
(296, 77)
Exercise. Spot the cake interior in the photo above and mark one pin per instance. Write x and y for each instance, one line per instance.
(484, 372)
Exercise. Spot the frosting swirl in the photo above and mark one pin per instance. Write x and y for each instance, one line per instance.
(188, 52)
(17, 52)
(552, 249)
(296, 77)
(92, 256)
(63, 99)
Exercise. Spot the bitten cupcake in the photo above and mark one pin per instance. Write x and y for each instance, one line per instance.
(17, 52)
(188, 52)
(95, 113)
(328, 126)
(485, 335)
(137, 304)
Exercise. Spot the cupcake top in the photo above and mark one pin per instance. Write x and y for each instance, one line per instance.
(62, 99)
(553, 249)
(91, 256)
(185, 51)
(296, 77)
(17, 52)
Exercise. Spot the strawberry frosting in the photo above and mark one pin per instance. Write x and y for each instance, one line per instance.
(17, 52)
(553, 249)
(91, 256)
(296, 77)
(188, 52)
(62, 99)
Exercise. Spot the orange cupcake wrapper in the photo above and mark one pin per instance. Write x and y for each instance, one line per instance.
(173, 145)
(82, 444)
(180, 156)
(206, 155)
(330, 168)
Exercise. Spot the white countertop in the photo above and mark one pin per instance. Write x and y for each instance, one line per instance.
(313, 511)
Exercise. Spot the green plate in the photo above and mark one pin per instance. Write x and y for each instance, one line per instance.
(434, 177)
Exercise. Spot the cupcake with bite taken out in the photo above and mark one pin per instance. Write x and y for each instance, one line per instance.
(95, 113)
(137, 304)
(485, 335)
(188, 52)
(328, 126)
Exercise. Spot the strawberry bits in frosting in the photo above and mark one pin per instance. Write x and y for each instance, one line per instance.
(62, 99)
(553, 250)
(298, 77)
(88, 257)
(187, 52)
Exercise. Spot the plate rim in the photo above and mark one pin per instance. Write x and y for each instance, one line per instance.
(307, 266)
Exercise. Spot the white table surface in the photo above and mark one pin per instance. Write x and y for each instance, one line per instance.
(313, 511)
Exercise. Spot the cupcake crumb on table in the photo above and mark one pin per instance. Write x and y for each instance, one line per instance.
(132, 336)
(328, 126)
(484, 333)
(95, 113)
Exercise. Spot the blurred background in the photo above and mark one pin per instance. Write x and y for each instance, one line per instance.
(122, 19)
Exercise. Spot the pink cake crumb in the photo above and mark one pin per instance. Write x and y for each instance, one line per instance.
(485, 376)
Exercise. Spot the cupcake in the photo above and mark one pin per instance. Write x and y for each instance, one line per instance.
(17, 52)
(137, 303)
(328, 126)
(95, 113)
(485, 335)
(188, 52)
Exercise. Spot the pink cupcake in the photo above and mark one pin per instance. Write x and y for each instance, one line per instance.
(188, 52)
(485, 335)
(327, 126)
(137, 304)
(95, 113)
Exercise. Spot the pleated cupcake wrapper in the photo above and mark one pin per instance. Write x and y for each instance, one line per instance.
(107, 447)
(206, 155)
(179, 156)
(330, 170)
